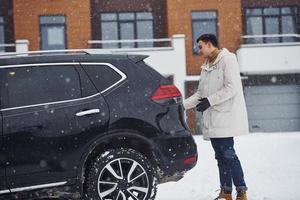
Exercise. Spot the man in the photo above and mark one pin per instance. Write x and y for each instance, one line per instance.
(221, 101)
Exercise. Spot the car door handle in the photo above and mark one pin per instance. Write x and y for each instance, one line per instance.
(87, 112)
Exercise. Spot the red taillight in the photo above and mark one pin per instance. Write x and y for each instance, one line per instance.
(190, 160)
(166, 92)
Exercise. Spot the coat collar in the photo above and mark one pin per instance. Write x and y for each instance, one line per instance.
(206, 67)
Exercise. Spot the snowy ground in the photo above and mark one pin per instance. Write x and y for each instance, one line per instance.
(271, 163)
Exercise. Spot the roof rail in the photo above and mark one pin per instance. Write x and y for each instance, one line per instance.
(9, 54)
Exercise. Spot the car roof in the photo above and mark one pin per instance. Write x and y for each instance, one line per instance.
(50, 58)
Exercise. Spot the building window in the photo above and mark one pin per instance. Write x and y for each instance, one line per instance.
(271, 21)
(2, 49)
(203, 22)
(53, 32)
(127, 26)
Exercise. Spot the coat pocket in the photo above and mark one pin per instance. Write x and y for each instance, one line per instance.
(224, 107)
(220, 119)
(221, 114)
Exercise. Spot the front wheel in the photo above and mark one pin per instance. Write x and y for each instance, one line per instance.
(121, 174)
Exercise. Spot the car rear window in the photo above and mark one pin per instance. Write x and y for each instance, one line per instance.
(102, 76)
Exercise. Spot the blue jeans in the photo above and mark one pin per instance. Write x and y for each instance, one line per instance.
(230, 168)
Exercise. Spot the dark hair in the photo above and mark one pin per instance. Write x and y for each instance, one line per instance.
(209, 37)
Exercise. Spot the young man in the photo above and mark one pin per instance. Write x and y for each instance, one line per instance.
(221, 101)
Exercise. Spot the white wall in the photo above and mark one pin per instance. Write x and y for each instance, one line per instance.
(269, 58)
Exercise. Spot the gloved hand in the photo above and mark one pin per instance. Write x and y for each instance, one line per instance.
(203, 105)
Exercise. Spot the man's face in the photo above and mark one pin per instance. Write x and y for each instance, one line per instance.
(205, 48)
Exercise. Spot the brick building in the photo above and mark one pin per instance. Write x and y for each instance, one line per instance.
(128, 19)
(52, 24)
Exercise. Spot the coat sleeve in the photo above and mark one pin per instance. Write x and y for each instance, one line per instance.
(192, 101)
(232, 82)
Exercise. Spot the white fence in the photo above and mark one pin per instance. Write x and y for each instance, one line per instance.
(270, 58)
(21, 46)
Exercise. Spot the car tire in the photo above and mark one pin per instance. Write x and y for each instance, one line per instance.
(121, 174)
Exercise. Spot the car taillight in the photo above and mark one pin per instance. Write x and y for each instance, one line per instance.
(190, 160)
(166, 92)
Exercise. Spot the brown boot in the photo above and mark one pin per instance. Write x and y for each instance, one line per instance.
(224, 195)
(241, 195)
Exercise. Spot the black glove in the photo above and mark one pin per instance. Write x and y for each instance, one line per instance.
(203, 105)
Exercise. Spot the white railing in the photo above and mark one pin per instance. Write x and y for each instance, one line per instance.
(261, 40)
(128, 41)
(133, 43)
(7, 45)
(271, 36)
(58, 51)
(4, 46)
(20, 46)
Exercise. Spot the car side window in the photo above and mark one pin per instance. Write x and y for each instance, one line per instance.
(102, 76)
(87, 87)
(40, 84)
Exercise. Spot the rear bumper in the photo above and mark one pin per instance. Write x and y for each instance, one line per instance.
(176, 155)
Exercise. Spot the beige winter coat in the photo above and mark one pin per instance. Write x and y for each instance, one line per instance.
(221, 84)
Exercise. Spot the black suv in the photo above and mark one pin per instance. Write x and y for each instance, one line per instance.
(88, 126)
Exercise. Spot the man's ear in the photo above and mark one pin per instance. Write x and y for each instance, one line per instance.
(209, 44)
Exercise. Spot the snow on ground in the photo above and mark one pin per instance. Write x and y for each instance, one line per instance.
(271, 163)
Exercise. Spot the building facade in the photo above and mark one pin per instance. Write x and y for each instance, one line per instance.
(270, 64)
(52, 24)
(128, 20)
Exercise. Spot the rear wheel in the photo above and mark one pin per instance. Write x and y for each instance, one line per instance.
(121, 174)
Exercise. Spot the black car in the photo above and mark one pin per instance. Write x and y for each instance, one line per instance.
(77, 126)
